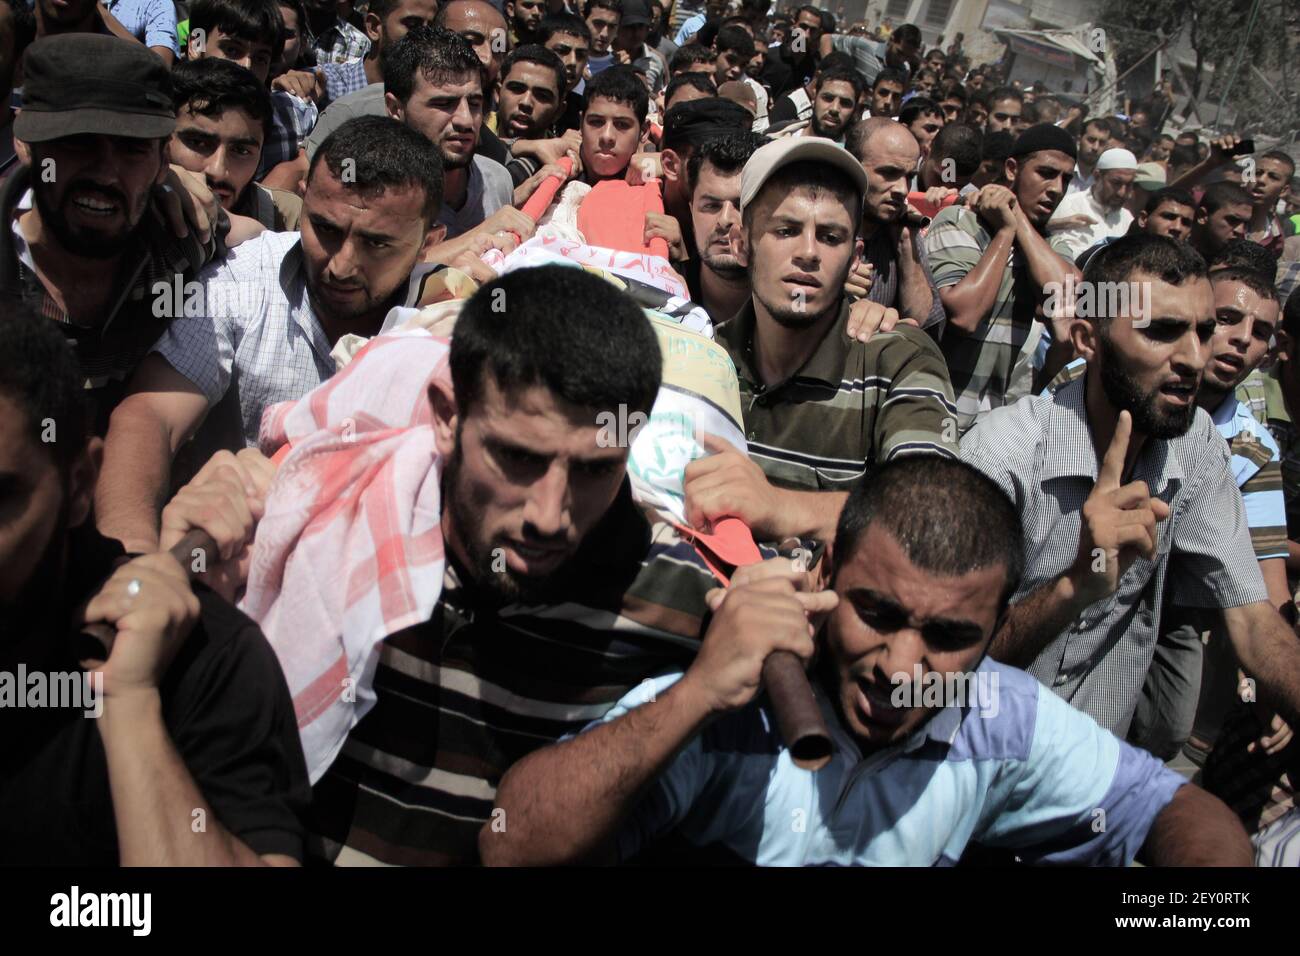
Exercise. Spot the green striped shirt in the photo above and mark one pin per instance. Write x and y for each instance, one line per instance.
(993, 365)
(850, 405)
(466, 694)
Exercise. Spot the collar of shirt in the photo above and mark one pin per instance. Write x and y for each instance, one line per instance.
(1069, 451)
(825, 366)
(293, 280)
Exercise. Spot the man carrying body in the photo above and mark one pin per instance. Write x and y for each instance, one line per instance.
(268, 316)
(820, 408)
(927, 553)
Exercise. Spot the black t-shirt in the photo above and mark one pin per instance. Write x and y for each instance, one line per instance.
(490, 145)
(228, 712)
(574, 104)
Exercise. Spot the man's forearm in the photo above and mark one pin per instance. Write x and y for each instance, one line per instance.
(915, 296)
(807, 514)
(1269, 652)
(1045, 266)
(1196, 829)
(1035, 622)
(565, 803)
(162, 817)
(971, 299)
(132, 485)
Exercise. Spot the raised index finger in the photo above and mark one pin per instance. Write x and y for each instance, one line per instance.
(1112, 466)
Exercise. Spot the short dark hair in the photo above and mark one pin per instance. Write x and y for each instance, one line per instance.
(919, 106)
(569, 23)
(622, 85)
(601, 356)
(812, 174)
(1282, 158)
(734, 38)
(306, 53)
(726, 154)
(696, 81)
(1004, 93)
(997, 146)
(948, 517)
(535, 53)
(41, 375)
(908, 33)
(962, 143)
(614, 5)
(1159, 256)
(1261, 283)
(383, 153)
(1220, 194)
(1183, 155)
(842, 75)
(251, 20)
(957, 93)
(1291, 314)
(1169, 194)
(209, 87)
(1246, 254)
(836, 59)
(436, 53)
(890, 74)
(688, 55)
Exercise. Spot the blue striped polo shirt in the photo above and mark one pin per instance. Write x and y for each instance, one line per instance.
(1018, 769)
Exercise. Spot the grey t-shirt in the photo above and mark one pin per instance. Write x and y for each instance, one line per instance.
(368, 101)
(490, 188)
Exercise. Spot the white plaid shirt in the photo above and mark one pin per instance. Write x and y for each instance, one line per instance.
(1040, 452)
(255, 331)
(340, 43)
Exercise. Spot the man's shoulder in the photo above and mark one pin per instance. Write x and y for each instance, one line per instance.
(1001, 716)
(902, 346)
(1015, 430)
(494, 174)
(256, 257)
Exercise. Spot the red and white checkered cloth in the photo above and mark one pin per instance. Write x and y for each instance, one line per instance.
(350, 548)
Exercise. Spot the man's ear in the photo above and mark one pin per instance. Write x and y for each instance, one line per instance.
(672, 164)
(1009, 169)
(436, 234)
(1202, 216)
(394, 107)
(445, 417)
(740, 245)
(81, 482)
(374, 27)
(1142, 219)
(1083, 336)
(1285, 345)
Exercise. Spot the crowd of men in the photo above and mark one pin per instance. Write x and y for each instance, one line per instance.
(1018, 387)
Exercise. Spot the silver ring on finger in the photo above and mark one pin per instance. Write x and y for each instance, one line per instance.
(133, 587)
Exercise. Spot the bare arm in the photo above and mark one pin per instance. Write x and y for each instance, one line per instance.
(915, 296)
(1196, 829)
(1033, 623)
(163, 409)
(565, 804)
(971, 299)
(1269, 653)
(165, 54)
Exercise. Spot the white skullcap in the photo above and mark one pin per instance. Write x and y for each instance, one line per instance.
(1116, 159)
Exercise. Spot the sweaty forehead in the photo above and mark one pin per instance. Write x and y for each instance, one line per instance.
(805, 203)
(475, 15)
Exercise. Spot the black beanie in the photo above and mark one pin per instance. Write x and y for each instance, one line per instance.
(1044, 136)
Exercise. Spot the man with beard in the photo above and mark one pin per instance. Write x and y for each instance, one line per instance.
(188, 720)
(993, 266)
(525, 15)
(529, 101)
(1123, 484)
(899, 277)
(1005, 106)
(1093, 142)
(715, 277)
(1222, 215)
(559, 594)
(261, 325)
(819, 408)
(1083, 219)
(434, 84)
(86, 238)
(836, 98)
(927, 554)
(223, 116)
(1190, 678)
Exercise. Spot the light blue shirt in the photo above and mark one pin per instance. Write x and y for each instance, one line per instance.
(152, 22)
(1018, 769)
(689, 29)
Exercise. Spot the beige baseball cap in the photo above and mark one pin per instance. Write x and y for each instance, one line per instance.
(797, 149)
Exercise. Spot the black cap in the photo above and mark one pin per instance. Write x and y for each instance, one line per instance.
(77, 83)
(1044, 136)
(636, 13)
(697, 121)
